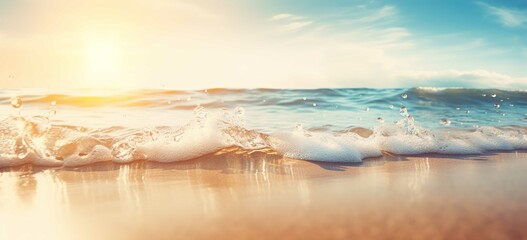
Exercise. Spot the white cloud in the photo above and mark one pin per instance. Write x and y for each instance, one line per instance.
(386, 13)
(285, 16)
(350, 48)
(290, 22)
(363, 46)
(375, 26)
(393, 35)
(294, 26)
(506, 16)
(456, 78)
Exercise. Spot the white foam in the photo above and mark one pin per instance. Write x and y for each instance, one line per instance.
(437, 89)
(197, 140)
(454, 141)
(97, 153)
(205, 135)
(324, 147)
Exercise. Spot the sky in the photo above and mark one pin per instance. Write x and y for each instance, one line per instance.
(197, 44)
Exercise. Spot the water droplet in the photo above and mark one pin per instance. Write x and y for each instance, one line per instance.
(380, 120)
(53, 103)
(497, 106)
(403, 111)
(366, 109)
(503, 114)
(314, 104)
(188, 99)
(392, 107)
(52, 112)
(169, 102)
(457, 109)
(467, 112)
(484, 95)
(16, 102)
(264, 100)
(446, 121)
(404, 96)
(493, 95)
(475, 126)
(511, 105)
(305, 98)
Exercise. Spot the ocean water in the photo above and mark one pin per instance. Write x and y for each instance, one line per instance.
(72, 128)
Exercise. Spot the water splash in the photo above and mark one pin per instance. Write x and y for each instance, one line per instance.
(36, 139)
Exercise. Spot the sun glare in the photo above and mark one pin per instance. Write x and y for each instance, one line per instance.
(103, 62)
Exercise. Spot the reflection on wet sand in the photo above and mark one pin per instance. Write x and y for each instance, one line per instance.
(261, 195)
(35, 201)
(421, 174)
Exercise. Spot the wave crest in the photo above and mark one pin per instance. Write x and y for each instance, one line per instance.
(34, 140)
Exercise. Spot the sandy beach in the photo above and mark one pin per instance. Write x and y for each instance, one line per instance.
(290, 119)
(255, 196)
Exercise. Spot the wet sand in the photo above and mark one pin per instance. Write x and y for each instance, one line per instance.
(264, 196)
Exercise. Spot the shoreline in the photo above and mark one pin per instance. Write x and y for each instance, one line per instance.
(261, 196)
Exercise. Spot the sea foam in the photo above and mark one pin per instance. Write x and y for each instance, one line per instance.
(60, 146)
(343, 125)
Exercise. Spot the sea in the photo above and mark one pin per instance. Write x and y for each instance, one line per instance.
(69, 128)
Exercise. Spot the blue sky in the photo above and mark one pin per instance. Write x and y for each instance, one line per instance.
(276, 43)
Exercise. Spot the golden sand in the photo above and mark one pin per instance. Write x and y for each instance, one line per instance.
(263, 196)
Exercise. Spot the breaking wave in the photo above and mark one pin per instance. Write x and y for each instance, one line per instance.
(37, 141)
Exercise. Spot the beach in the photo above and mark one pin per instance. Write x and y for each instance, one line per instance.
(258, 195)
(182, 119)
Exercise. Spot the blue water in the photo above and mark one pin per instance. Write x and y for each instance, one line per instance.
(54, 119)
(270, 109)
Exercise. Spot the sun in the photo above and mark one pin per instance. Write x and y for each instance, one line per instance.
(103, 62)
